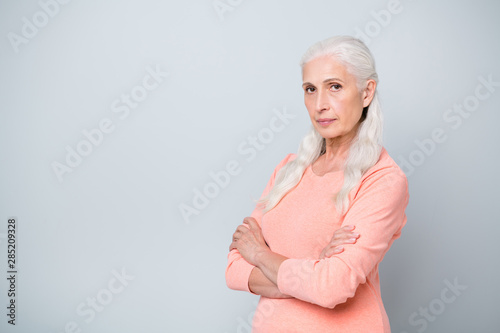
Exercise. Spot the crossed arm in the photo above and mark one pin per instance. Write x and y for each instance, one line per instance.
(250, 243)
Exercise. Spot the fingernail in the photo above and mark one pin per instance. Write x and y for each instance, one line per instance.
(352, 239)
(355, 234)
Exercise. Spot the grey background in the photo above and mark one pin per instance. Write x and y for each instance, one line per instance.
(120, 208)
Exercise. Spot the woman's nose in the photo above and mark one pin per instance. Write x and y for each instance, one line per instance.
(322, 102)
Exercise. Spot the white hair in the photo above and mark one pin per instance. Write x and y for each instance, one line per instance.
(365, 149)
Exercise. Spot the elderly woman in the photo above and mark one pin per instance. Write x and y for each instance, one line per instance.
(312, 246)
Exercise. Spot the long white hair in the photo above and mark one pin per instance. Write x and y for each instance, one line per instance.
(365, 149)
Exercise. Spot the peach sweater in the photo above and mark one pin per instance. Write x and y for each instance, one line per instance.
(337, 294)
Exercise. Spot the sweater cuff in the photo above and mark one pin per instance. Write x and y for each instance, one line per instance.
(292, 278)
(238, 278)
(283, 277)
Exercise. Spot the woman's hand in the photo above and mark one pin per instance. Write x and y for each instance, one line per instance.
(344, 235)
(249, 241)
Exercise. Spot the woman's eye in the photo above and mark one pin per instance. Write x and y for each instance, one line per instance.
(335, 86)
(309, 90)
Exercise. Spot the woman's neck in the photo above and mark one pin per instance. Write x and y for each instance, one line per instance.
(336, 152)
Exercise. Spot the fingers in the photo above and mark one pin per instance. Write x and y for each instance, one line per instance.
(241, 229)
(345, 234)
(250, 222)
(342, 236)
(330, 251)
(249, 218)
(334, 250)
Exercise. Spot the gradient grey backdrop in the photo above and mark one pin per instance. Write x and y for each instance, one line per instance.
(229, 71)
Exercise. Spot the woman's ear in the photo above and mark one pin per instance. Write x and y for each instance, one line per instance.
(369, 92)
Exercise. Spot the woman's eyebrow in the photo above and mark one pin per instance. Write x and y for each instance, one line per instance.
(324, 81)
(332, 79)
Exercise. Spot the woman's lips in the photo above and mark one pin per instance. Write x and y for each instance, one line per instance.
(325, 122)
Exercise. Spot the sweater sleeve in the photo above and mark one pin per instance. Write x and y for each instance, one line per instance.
(377, 210)
(238, 269)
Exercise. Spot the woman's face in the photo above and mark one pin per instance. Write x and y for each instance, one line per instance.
(332, 97)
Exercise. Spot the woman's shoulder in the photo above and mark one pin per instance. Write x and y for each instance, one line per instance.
(387, 169)
(288, 158)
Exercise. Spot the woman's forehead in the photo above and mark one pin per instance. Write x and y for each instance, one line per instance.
(324, 67)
